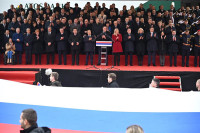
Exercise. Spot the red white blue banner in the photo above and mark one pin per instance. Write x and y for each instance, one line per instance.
(81, 110)
(104, 43)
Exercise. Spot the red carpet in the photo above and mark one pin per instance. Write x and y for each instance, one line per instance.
(27, 77)
(135, 66)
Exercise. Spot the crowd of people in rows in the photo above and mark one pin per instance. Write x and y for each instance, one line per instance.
(74, 30)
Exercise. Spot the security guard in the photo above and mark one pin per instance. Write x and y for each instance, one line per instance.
(186, 45)
(196, 42)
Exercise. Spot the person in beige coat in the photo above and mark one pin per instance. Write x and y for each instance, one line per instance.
(10, 50)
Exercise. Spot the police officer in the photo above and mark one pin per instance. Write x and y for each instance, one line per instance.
(196, 42)
(186, 45)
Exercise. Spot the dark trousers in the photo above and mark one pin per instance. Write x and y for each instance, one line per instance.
(171, 54)
(52, 57)
(75, 54)
(87, 57)
(131, 58)
(162, 59)
(185, 52)
(99, 56)
(153, 55)
(116, 59)
(28, 53)
(37, 57)
(18, 57)
(196, 54)
(60, 52)
(140, 59)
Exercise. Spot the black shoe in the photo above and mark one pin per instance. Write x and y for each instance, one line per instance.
(148, 64)
(175, 65)
(182, 65)
(170, 65)
(125, 64)
(131, 64)
(154, 65)
(86, 64)
(98, 64)
(187, 65)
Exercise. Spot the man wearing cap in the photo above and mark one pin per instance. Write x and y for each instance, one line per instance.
(196, 45)
(186, 45)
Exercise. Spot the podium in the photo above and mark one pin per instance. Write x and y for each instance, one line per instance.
(104, 45)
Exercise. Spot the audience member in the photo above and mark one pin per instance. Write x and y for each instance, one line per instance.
(154, 83)
(112, 83)
(54, 79)
(134, 129)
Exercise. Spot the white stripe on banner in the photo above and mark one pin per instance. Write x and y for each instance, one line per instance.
(103, 99)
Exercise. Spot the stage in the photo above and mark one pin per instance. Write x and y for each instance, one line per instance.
(96, 76)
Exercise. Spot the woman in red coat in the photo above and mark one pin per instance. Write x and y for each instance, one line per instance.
(117, 46)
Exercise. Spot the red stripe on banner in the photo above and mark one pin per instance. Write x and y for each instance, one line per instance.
(11, 128)
(104, 42)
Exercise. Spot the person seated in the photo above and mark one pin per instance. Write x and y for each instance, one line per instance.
(10, 50)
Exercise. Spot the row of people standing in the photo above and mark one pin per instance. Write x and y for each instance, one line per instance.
(139, 42)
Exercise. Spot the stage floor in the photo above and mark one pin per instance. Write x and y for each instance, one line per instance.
(116, 68)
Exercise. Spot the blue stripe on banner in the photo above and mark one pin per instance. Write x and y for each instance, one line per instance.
(104, 121)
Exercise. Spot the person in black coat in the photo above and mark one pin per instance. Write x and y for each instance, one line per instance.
(173, 42)
(152, 38)
(61, 39)
(75, 40)
(97, 28)
(28, 40)
(86, 26)
(104, 36)
(37, 46)
(186, 45)
(140, 45)
(89, 42)
(162, 47)
(49, 39)
(112, 83)
(129, 46)
(196, 46)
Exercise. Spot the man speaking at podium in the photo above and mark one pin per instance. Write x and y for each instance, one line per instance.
(104, 36)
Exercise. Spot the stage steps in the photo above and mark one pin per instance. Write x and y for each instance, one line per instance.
(170, 82)
(27, 77)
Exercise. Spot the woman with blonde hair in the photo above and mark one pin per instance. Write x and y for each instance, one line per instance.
(10, 50)
(117, 46)
(134, 129)
(140, 45)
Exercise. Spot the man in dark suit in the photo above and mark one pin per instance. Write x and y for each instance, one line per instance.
(104, 36)
(112, 83)
(51, 23)
(186, 45)
(6, 39)
(152, 47)
(129, 39)
(173, 42)
(49, 39)
(75, 40)
(28, 40)
(24, 26)
(12, 26)
(61, 39)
